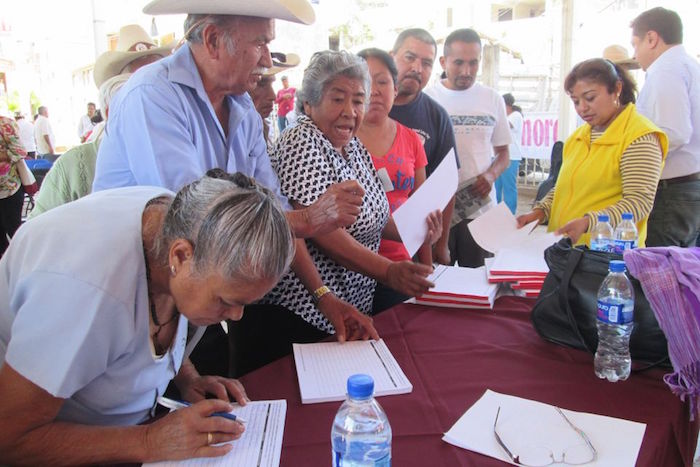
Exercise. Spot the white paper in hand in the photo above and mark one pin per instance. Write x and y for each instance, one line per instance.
(433, 194)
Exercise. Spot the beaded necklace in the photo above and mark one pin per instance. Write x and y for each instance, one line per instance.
(160, 350)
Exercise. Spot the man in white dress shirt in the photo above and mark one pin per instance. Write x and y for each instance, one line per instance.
(43, 134)
(86, 125)
(671, 99)
(26, 134)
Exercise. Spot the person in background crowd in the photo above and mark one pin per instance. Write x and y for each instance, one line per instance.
(671, 99)
(398, 155)
(264, 95)
(86, 125)
(26, 135)
(506, 185)
(619, 56)
(414, 55)
(43, 135)
(11, 191)
(72, 174)
(321, 149)
(611, 163)
(481, 130)
(81, 368)
(285, 102)
(134, 49)
(190, 112)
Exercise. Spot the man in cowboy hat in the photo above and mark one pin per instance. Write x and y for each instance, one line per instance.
(264, 95)
(190, 112)
(134, 49)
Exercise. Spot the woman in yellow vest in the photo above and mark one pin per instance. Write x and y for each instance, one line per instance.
(610, 164)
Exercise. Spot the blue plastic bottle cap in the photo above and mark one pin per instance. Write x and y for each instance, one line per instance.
(627, 216)
(616, 265)
(360, 386)
(603, 218)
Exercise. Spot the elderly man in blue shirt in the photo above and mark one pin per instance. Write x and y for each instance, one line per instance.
(190, 112)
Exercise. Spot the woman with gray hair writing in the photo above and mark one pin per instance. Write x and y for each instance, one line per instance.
(320, 151)
(90, 337)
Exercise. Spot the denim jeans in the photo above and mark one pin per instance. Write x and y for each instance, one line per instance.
(506, 189)
(281, 123)
(675, 217)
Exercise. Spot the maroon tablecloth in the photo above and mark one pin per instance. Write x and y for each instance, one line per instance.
(452, 356)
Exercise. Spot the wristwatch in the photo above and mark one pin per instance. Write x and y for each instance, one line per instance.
(320, 292)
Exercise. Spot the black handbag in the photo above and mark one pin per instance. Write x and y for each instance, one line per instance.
(566, 309)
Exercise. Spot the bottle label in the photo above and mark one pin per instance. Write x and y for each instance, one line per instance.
(601, 244)
(615, 313)
(621, 245)
(338, 460)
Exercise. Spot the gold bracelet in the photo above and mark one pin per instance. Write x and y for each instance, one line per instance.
(320, 292)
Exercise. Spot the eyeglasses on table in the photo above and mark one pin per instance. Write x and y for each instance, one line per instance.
(540, 456)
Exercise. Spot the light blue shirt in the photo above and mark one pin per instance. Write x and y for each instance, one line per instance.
(671, 99)
(74, 313)
(162, 131)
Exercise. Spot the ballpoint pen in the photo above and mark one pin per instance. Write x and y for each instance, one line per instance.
(172, 404)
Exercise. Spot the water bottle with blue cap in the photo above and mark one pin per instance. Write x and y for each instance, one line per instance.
(361, 434)
(615, 322)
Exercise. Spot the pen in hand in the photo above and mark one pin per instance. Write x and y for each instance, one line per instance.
(173, 404)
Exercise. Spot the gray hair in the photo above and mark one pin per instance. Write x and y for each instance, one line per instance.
(195, 24)
(236, 227)
(323, 68)
(109, 88)
(417, 33)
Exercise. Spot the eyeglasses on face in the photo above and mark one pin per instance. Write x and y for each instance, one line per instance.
(540, 456)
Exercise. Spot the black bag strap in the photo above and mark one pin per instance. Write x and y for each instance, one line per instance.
(575, 256)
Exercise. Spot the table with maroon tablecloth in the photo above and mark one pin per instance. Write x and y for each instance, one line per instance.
(451, 356)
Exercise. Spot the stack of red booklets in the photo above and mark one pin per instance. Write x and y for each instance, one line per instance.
(523, 270)
(460, 288)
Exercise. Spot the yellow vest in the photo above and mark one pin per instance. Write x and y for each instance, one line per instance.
(590, 178)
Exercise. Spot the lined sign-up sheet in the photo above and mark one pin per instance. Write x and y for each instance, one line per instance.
(323, 369)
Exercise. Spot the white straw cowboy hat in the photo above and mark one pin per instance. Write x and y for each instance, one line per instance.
(281, 62)
(133, 43)
(618, 55)
(297, 11)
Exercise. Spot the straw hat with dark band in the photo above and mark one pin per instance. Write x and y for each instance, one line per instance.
(282, 62)
(133, 43)
(297, 11)
(618, 55)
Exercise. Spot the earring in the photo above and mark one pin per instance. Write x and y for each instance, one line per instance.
(617, 101)
(173, 272)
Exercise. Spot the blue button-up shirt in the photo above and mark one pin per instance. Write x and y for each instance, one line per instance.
(162, 131)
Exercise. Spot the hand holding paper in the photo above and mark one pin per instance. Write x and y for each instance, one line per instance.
(433, 194)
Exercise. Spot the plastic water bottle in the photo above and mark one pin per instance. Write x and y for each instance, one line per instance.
(361, 434)
(626, 234)
(602, 235)
(615, 323)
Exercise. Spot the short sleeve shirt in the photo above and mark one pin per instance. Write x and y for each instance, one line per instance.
(307, 164)
(74, 317)
(432, 123)
(401, 161)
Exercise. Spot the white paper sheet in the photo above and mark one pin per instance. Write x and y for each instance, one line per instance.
(433, 194)
(523, 422)
(259, 446)
(323, 369)
(466, 284)
(498, 228)
(510, 261)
